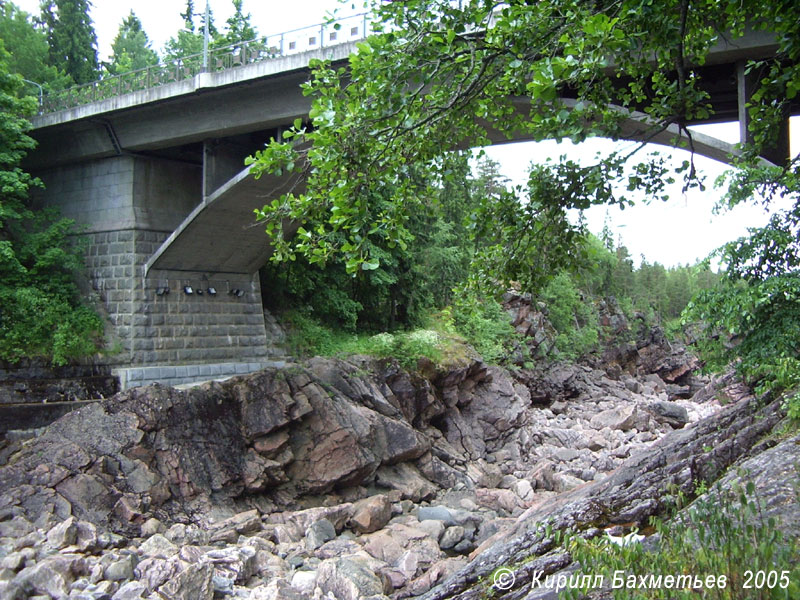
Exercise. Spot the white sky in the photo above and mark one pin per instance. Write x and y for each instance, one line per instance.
(680, 231)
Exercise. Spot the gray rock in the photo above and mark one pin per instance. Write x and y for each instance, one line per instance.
(318, 533)
(774, 473)
(13, 561)
(122, 569)
(304, 581)
(371, 514)
(47, 577)
(86, 537)
(348, 578)
(451, 536)
(436, 513)
(432, 527)
(623, 418)
(154, 572)
(407, 479)
(15, 527)
(234, 563)
(64, 534)
(151, 527)
(176, 534)
(670, 413)
(222, 584)
(277, 590)
(565, 454)
(523, 489)
(133, 590)
(157, 546)
(193, 583)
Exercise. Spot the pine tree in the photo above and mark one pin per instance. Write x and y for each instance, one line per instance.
(189, 40)
(188, 16)
(607, 236)
(131, 48)
(72, 39)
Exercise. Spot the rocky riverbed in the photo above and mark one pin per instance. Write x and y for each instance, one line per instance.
(354, 479)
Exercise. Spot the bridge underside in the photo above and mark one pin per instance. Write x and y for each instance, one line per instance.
(221, 235)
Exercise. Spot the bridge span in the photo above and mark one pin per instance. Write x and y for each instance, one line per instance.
(155, 176)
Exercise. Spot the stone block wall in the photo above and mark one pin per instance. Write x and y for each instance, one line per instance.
(128, 207)
(174, 328)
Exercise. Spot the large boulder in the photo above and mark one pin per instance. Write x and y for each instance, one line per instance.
(289, 431)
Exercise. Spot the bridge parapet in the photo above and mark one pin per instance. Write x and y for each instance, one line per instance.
(267, 48)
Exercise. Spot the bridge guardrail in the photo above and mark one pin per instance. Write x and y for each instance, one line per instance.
(323, 35)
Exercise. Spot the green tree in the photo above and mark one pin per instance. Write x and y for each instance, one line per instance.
(28, 52)
(71, 38)
(239, 27)
(40, 310)
(754, 311)
(409, 281)
(188, 16)
(427, 83)
(131, 48)
(189, 41)
(442, 75)
(679, 291)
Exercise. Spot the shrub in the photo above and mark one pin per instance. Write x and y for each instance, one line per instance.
(485, 325)
(572, 317)
(725, 535)
(308, 337)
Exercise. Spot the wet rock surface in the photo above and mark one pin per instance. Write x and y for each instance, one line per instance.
(353, 479)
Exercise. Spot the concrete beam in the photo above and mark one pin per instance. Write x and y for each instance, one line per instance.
(245, 99)
(221, 235)
(265, 104)
(195, 86)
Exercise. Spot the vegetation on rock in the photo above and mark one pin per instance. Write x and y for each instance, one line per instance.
(41, 314)
(744, 553)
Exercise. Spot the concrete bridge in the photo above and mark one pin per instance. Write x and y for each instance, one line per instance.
(156, 178)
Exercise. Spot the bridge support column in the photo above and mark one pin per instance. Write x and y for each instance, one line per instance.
(223, 159)
(778, 152)
(128, 206)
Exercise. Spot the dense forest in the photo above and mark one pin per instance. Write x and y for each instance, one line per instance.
(413, 235)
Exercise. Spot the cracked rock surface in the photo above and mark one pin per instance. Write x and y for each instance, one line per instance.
(353, 479)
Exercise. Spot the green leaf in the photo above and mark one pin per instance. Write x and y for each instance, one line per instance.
(370, 265)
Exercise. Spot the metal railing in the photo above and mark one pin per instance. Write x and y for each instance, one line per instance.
(324, 35)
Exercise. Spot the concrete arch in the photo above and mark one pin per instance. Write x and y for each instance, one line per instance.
(220, 235)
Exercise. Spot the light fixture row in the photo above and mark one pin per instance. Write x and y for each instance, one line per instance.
(188, 290)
